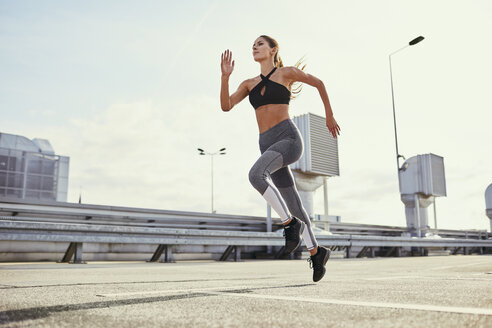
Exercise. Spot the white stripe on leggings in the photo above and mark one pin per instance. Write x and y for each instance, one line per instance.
(306, 235)
(273, 197)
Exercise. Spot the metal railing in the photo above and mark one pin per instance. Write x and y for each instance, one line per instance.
(61, 212)
(12, 229)
(32, 221)
(111, 215)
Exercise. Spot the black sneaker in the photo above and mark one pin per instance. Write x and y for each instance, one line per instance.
(318, 262)
(292, 234)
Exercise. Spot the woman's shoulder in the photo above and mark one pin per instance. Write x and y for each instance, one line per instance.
(287, 70)
(251, 82)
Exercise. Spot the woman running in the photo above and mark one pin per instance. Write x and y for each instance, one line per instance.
(280, 141)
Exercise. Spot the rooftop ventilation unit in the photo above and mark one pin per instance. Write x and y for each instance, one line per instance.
(421, 180)
(320, 155)
(29, 169)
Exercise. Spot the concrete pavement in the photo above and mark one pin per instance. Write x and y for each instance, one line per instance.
(448, 291)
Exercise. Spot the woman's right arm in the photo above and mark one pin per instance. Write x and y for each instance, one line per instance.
(226, 101)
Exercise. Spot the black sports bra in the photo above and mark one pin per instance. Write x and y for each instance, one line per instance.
(275, 93)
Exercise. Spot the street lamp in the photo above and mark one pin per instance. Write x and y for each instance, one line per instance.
(220, 152)
(411, 43)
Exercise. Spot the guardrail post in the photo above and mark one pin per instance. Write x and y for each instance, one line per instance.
(237, 253)
(362, 252)
(77, 257)
(68, 253)
(229, 250)
(226, 253)
(168, 255)
(75, 250)
(157, 254)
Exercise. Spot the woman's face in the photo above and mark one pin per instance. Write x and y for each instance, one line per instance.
(262, 50)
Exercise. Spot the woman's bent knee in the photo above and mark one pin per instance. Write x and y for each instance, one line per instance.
(258, 180)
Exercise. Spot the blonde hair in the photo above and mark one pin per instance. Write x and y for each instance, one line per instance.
(277, 62)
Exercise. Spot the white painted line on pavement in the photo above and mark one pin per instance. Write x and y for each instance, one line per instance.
(421, 307)
(179, 291)
(460, 265)
(421, 278)
(387, 278)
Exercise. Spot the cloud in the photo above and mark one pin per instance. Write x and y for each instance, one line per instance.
(145, 154)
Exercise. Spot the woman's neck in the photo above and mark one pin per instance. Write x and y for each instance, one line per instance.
(266, 67)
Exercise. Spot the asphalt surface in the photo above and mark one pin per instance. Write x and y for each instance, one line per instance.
(447, 291)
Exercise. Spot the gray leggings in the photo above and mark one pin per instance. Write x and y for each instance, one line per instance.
(280, 146)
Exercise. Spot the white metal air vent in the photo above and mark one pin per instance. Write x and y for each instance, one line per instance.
(320, 155)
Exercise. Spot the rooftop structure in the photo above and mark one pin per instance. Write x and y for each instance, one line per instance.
(29, 169)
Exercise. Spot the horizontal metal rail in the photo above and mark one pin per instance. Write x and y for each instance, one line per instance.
(36, 231)
(97, 214)
(89, 210)
(370, 241)
(77, 234)
(367, 227)
(153, 224)
(62, 212)
(370, 229)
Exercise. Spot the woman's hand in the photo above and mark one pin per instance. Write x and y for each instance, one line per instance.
(333, 126)
(225, 64)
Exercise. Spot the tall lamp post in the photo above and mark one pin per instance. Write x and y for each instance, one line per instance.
(220, 152)
(411, 43)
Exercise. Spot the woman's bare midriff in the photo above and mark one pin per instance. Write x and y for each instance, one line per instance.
(270, 115)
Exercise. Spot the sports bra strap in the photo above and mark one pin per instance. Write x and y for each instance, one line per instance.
(268, 76)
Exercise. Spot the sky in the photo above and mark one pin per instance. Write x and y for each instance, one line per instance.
(128, 90)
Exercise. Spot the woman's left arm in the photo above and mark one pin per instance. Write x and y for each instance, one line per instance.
(296, 75)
